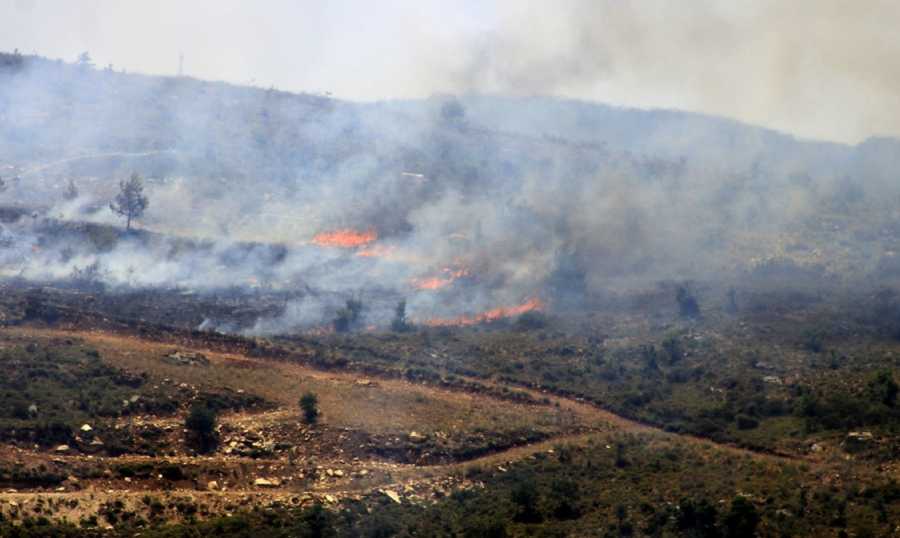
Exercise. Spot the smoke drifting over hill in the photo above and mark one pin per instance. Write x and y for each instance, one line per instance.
(463, 206)
(818, 68)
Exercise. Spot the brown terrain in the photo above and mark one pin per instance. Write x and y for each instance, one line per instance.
(377, 434)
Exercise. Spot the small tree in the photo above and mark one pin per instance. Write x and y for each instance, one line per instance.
(399, 323)
(130, 202)
(732, 306)
(71, 191)
(201, 422)
(672, 346)
(453, 112)
(348, 316)
(621, 462)
(697, 518)
(84, 60)
(3, 184)
(687, 303)
(525, 497)
(741, 521)
(883, 389)
(309, 404)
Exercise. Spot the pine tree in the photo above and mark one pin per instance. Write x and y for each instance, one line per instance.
(71, 191)
(130, 202)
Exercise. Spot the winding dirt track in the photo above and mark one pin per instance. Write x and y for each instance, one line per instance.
(591, 413)
(386, 477)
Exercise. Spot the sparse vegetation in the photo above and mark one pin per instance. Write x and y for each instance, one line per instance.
(51, 390)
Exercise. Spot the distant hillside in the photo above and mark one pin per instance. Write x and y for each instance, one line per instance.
(528, 197)
(50, 110)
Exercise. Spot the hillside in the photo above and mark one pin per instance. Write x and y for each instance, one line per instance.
(598, 197)
(469, 315)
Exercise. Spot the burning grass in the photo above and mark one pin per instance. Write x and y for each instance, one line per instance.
(447, 277)
(345, 238)
(488, 316)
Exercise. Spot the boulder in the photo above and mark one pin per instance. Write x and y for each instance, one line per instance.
(186, 358)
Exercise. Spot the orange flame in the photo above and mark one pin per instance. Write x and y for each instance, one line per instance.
(377, 251)
(432, 283)
(345, 238)
(490, 315)
(438, 282)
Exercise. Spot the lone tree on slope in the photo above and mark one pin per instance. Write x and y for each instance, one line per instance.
(71, 191)
(130, 202)
(201, 422)
(400, 323)
(309, 404)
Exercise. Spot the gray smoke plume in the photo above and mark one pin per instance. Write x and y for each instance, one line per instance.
(464, 204)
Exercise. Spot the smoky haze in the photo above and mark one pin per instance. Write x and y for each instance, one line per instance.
(818, 69)
(501, 196)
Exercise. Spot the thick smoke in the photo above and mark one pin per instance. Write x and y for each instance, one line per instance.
(816, 68)
(819, 68)
(476, 202)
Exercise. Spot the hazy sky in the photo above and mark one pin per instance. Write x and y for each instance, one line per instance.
(817, 68)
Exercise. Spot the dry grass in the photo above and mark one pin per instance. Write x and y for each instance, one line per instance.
(383, 406)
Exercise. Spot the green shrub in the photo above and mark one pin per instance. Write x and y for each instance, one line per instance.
(883, 389)
(746, 423)
(348, 317)
(201, 423)
(741, 520)
(309, 405)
